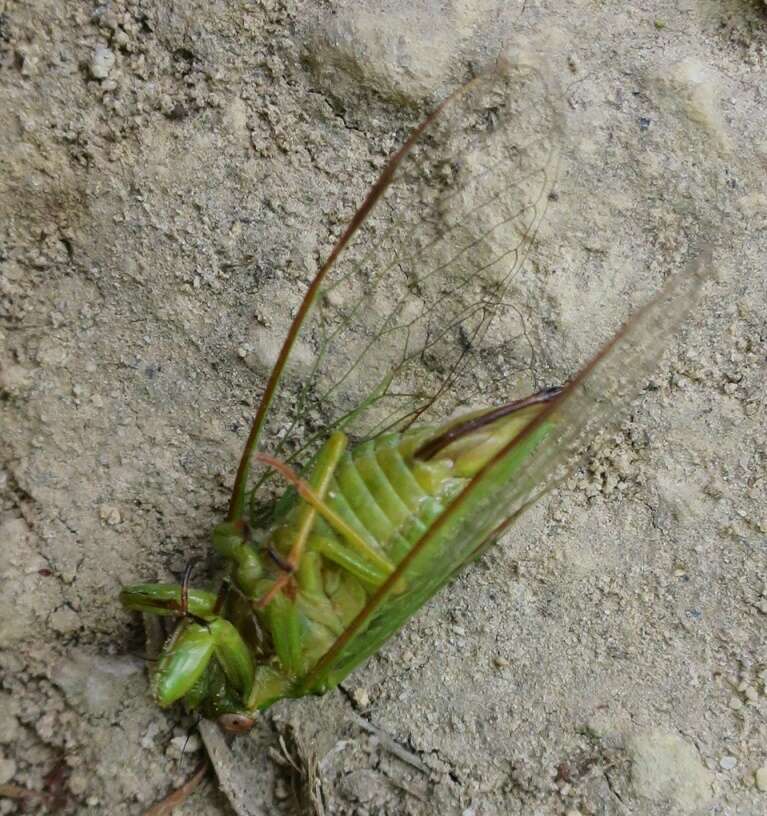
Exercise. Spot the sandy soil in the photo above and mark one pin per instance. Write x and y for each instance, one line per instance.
(170, 176)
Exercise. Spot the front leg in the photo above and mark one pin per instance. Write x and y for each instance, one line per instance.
(199, 636)
(189, 650)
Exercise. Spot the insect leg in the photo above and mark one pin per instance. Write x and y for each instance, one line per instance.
(184, 659)
(348, 533)
(230, 541)
(319, 481)
(183, 610)
(309, 573)
(348, 559)
(198, 637)
(233, 655)
(285, 627)
(166, 599)
(188, 652)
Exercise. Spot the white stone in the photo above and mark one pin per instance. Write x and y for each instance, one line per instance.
(102, 62)
(727, 763)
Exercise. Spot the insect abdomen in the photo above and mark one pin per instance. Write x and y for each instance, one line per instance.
(389, 497)
(375, 502)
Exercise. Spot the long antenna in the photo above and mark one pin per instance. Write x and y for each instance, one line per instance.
(237, 502)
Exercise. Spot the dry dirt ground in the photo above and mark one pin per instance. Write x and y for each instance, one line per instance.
(171, 173)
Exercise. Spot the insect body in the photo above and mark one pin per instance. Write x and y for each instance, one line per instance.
(370, 531)
(328, 551)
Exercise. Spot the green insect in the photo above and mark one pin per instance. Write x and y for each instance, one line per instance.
(393, 500)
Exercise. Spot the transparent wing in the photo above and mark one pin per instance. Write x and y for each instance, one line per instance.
(410, 297)
(540, 456)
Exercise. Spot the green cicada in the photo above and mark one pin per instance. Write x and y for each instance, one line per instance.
(393, 500)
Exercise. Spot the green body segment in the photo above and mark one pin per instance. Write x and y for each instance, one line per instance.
(375, 502)
(335, 579)
(447, 545)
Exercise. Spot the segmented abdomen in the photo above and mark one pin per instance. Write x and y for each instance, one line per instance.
(386, 496)
(390, 500)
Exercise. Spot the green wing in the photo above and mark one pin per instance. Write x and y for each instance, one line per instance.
(405, 304)
(539, 457)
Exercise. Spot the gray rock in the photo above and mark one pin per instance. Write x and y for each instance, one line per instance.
(95, 684)
(667, 769)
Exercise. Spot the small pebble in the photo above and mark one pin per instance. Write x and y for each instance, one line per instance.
(760, 777)
(361, 697)
(9, 725)
(29, 64)
(120, 38)
(727, 763)
(64, 620)
(166, 105)
(78, 784)
(187, 743)
(280, 790)
(7, 769)
(110, 514)
(102, 62)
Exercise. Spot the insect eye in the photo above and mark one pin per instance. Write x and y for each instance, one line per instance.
(236, 723)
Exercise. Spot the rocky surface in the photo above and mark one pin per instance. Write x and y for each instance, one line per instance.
(171, 175)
